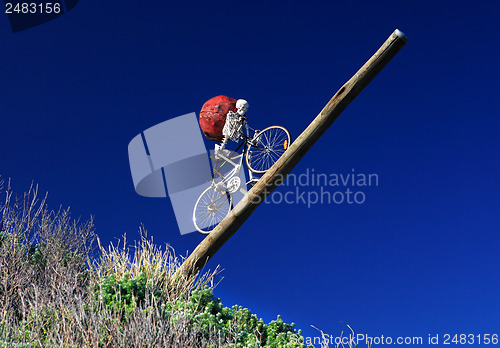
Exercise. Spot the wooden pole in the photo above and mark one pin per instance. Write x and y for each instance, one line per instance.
(278, 172)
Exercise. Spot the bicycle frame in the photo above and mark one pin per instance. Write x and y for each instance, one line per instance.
(259, 152)
(236, 170)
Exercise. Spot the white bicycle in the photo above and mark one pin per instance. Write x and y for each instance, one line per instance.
(261, 151)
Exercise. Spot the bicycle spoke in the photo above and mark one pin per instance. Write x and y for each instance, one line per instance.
(210, 209)
(269, 145)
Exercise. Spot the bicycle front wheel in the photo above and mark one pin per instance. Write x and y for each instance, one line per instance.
(212, 207)
(267, 146)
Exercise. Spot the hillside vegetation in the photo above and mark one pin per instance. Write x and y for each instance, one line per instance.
(59, 287)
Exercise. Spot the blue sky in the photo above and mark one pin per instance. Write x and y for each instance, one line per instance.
(418, 257)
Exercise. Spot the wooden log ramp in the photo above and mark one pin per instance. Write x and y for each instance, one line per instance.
(278, 172)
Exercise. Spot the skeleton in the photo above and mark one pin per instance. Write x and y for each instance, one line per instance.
(231, 130)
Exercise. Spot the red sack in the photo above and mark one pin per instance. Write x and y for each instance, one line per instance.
(213, 116)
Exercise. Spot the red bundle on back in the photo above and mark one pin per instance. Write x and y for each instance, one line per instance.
(213, 116)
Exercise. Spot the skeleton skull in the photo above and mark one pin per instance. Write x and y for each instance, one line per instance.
(242, 106)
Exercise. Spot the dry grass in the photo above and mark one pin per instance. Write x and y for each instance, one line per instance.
(158, 265)
(343, 341)
(47, 280)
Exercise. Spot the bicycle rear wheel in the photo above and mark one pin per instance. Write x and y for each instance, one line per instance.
(268, 145)
(212, 207)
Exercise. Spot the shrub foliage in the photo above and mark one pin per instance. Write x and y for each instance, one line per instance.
(53, 293)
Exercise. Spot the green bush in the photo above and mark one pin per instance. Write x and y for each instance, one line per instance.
(53, 293)
(126, 294)
(204, 311)
(238, 324)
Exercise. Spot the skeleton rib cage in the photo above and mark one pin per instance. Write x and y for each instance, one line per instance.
(232, 126)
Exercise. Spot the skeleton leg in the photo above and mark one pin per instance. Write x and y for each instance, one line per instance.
(220, 148)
